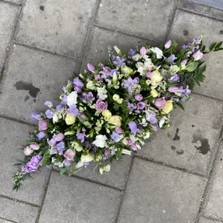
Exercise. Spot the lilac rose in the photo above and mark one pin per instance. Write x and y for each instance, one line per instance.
(101, 105)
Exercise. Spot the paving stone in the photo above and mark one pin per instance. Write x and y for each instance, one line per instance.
(205, 220)
(191, 5)
(78, 201)
(103, 39)
(58, 26)
(33, 77)
(17, 212)
(4, 221)
(16, 1)
(7, 21)
(214, 204)
(190, 140)
(159, 194)
(12, 139)
(143, 17)
(184, 29)
(116, 177)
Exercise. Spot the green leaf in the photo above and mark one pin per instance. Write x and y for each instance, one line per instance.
(180, 105)
(212, 46)
(192, 66)
(46, 159)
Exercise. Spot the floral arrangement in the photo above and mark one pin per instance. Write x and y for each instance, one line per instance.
(109, 110)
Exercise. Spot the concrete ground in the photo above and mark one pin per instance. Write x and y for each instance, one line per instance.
(176, 178)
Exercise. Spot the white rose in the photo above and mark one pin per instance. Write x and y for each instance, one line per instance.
(157, 51)
(72, 98)
(100, 141)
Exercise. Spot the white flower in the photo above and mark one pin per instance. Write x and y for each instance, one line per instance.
(144, 67)
(137, 57)
(87, 158)
(79, 165)
(162, 121)
(72, 98)
(102, 93)
(100, 141)
(55, 118)
(126, 152)
(90, 85)
(157, 51)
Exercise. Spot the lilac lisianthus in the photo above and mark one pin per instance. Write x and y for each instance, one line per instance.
(130, 83)
(115, 137)
(58, 137)
(118, 61)
(141, 105)
(133, 127)
(143, 51)
(101, 105)
(48, 104)
(78, 83)
(132, 145)
(36, 116)
(81, 136)
(107, 72)
(42, 125)
(151, 117)
(52, 142)
(171, 58)
(174, 78)
(131, 53)
(198, 55)
(34, 146)
(88, 96)
(131, 106)
(168, 44)
(73, 110)
(60, 147)
(91, 67)
(49, 114)
(160, 103)
(119, 130)
(41, 135)
(138, 97)
(32, 165)
(69, 155)
(184, 62)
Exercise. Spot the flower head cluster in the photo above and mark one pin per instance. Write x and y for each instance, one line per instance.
(110, 110)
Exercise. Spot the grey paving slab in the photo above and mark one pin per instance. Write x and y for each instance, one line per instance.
(12, 139)
(7, 22)
(116, 177)
(19, 2)
(103, 39)
(159, 194)
(193, 6)
(33, 77)
(213, 3)
(78, 201)
(185, 27)
(190, 140)
(205, 220)
(17, 212)
(4, 221)
(144, 17)
(214, 201)
(58, 26)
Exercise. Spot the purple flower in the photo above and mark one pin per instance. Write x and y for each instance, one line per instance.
(69, 155)
(131, 106)
(171, 58)
(184, 62)
(42, 125)
(115, 137)
(107, 153)
(77, 82)
(168, 44)
(52, 142)
(160, 103)
(49, 114)
(198, 55)
(60, 147)
(131, 53)
(107, 72)
(58, 137)
(60, 107)
(174, 78)
(97, 77)
(53, 151)
(138, 97)
(48, 104)
(118, 61)
(35, 116)
(41, 135)
(101, 105)
(91, 67)
(34, 146)
(81, 136)
(149, 74)
(151, 117)
(133, 127)
(119, 130)
(32, 165)
(143, 51)
(130, 83)
(88, 96)
(175, 90)
(73, 110)
(132, 145)
(141, 105)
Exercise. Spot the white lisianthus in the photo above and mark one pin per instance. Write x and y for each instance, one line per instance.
(126, 152)
(55, 117)
(162, 121)
(157, 51)
(102, 93)
(72, 98)
(100, 141)
(137, 57)
(79, 165)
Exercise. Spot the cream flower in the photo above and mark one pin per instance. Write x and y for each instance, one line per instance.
(102, 93)
(154, 93)
(87, 158)
(168, 107)
(70, 119)
(115, 120)
(156, 78)
(105, 168)
(106, 114)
